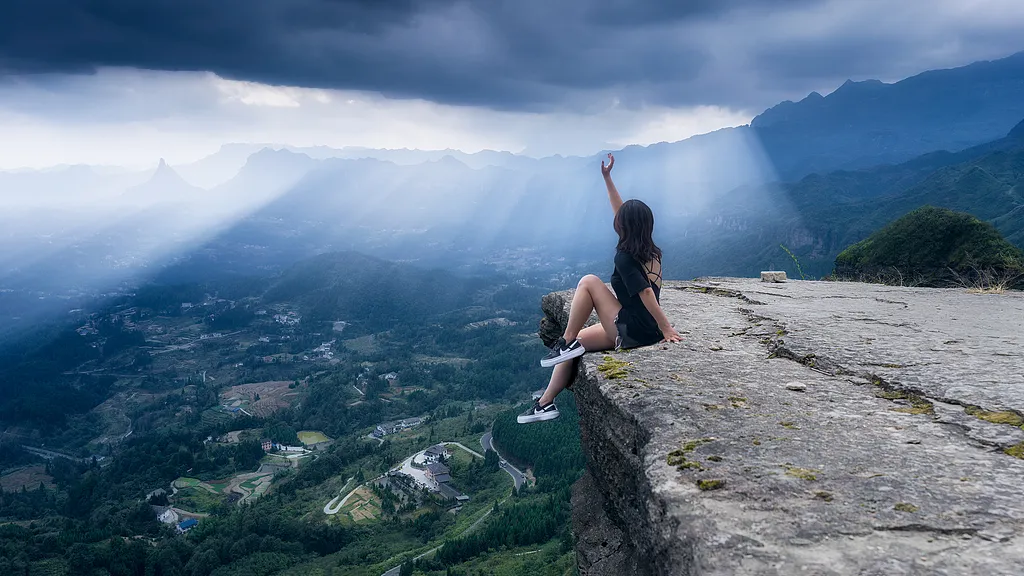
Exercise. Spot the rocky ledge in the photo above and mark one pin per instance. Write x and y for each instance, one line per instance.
(806, 428)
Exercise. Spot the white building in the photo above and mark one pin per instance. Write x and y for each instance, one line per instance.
(436, 453)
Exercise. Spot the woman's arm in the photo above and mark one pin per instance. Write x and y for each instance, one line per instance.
(651, 303)
(613, 193)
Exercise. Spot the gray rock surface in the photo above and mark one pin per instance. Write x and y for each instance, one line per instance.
(701, 461)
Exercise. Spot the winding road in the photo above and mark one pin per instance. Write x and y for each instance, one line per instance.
(517, 476)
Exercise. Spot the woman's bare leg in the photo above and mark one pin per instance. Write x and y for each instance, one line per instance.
(594, 338)
(592, 294)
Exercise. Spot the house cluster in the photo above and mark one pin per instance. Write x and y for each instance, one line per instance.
(437, 474)
(324, 350)
(436, 453)
(395, 427)
(439, 480)
(289, 319)
(269, 445)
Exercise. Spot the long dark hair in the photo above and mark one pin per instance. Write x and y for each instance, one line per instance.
(634, 223)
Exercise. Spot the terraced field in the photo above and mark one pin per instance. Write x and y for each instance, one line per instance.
(309, 437)
(362, 506)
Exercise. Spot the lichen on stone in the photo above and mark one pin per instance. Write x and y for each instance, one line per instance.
(678, 457)
(999, 417)
(802, 473)
(789, 425)
(1017, 450)
(613, 368)
(918, 405)
(692, 445)
(710, 484)
(738, 401)
(714, 458)
(823, 495)
(905, 507)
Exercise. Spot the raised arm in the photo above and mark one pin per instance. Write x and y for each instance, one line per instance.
(613, 193)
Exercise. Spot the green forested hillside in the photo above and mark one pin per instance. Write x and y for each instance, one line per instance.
(933, 247)
(821, 215)
(155, 387)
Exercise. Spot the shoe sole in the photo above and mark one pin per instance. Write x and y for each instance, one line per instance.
(549, 362)
(539, 418)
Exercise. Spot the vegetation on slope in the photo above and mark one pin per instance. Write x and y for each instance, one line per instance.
(823, 214)
(933, 247)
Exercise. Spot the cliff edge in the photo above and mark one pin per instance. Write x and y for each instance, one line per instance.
(806, 428)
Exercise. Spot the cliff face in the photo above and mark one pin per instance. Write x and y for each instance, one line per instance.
(806, 428)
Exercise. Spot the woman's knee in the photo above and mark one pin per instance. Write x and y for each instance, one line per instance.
(588, 281)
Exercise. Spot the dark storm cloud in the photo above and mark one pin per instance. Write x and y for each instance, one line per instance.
(510, 54)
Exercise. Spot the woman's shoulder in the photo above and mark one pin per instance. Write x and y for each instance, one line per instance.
(623, 258)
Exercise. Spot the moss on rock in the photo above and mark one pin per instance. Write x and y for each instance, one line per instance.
(613, 368)
(802, 473)
(710, 484)
(905, 507)
(1017, 450)
(1000, 417)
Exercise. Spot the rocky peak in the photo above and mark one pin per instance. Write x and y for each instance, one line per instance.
(806, 428)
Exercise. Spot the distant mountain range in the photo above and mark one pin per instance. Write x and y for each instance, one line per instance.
(820, 215)
(867, 123)
(854, 159)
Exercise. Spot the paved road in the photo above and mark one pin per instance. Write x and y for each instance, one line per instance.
(517, 476)
(334, 506)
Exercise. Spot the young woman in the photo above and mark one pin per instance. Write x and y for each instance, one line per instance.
(630, 317)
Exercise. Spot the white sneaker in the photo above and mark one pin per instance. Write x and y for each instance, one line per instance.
(538, 413)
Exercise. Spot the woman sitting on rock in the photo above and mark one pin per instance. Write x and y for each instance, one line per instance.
(631, 317)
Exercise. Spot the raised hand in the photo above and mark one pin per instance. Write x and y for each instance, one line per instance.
(607, 170)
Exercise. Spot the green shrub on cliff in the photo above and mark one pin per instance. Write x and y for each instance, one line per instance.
(934, 247)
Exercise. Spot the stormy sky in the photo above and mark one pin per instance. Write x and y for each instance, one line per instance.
(127, 81)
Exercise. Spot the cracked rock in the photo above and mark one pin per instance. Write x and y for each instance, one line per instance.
(907, 435)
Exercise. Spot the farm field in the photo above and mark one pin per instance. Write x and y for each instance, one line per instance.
(197, 500)
(308, 437)
(362, 506)
(362, 345)
(28, 477)
(272, 396)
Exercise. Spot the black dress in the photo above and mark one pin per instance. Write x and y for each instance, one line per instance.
(636, 326)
